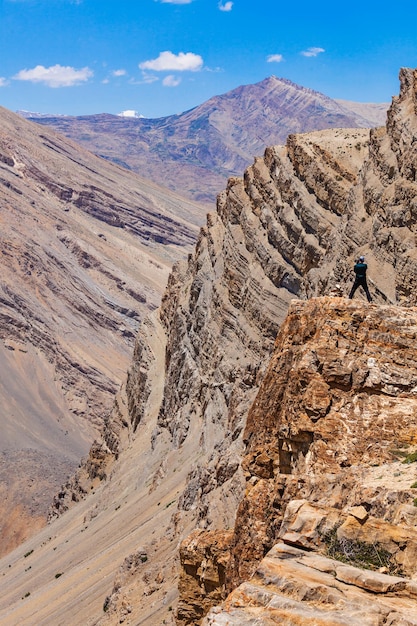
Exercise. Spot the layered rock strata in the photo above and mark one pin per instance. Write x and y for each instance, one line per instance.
(86, 249)
(299, 219)
(293, 587)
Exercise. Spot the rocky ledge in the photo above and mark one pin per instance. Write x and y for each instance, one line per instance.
(293, 587)
(329, 462)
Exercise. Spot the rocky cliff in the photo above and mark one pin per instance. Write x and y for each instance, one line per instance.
(330, 450)
(210, 438)
(292, 227)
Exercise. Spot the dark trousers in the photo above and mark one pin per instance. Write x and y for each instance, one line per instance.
(360, 281)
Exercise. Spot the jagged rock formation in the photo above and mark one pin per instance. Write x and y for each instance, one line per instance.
(195, 152)
(290, 229)
(294, 224)
(295, 587)
(339, 397)
(203, 573)
(86, 248)
(335, 411)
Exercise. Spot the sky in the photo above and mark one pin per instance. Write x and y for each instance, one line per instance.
(160, 57)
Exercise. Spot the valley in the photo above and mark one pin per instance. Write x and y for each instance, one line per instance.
(263, 416)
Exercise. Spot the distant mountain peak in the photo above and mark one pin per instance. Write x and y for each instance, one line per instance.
(34, 115)
(194, 152)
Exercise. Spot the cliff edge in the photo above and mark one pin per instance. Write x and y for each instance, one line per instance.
(330, 467)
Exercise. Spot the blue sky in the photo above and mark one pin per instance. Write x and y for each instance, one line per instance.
(160, 57)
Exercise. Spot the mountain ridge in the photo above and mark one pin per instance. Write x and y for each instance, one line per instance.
(196, 151)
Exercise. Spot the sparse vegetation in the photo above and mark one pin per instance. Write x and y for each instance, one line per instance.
(411, 458)
(58, 574)
(28, 554)
(359, 553)
(398, 453)
(414, 485)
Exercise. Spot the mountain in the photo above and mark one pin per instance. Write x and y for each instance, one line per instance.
(370, 112)
(86, 248)
(259, 435)
(195, 152)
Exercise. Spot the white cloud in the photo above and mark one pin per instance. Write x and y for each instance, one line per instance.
(227, 6)
(312, 52)
(3, 82)
(119, 73)
(275, 58)
(167, 61)
(147, 79)
(171, 81)
(130, 113)
(55, 76)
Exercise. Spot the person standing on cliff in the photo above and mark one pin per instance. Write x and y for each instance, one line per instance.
(360, 278)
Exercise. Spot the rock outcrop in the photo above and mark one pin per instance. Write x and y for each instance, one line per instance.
(298, 220)
(339, 397)
(334, 414)
(295, 587)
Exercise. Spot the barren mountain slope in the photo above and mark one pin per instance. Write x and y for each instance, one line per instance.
(195, 152)
(291, 228)
(376, 113)
(86, 248)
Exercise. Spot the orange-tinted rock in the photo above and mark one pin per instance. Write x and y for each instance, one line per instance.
(339, 395)
(204, 556)
(294, 587)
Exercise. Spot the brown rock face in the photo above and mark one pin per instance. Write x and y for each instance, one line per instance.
(339, 396)
(202, 582)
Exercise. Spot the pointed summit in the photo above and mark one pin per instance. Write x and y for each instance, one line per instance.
(197, 151)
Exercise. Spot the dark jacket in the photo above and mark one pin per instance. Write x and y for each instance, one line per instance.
(360, 270)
